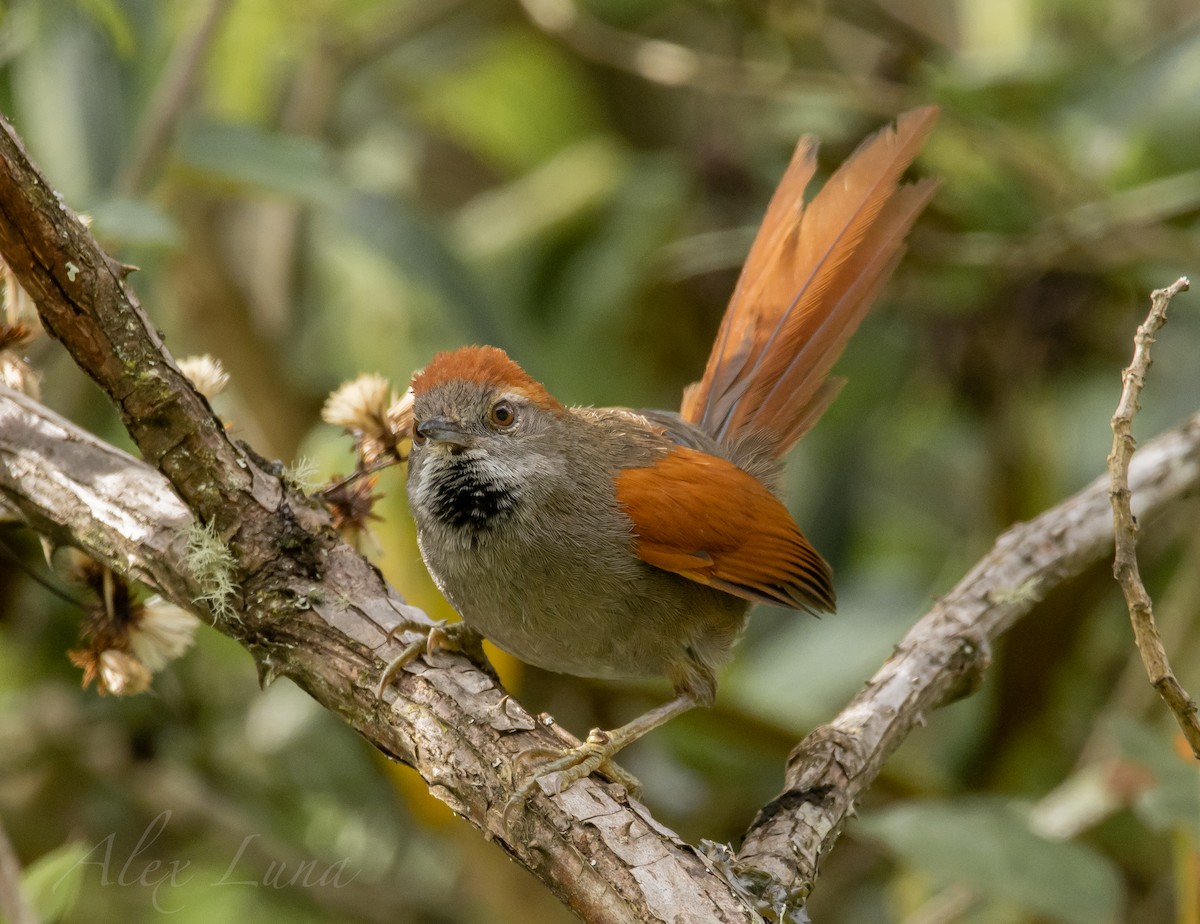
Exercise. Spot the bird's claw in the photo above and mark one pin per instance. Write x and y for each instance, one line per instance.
(593, 755)
(457, 636)
(395, 665)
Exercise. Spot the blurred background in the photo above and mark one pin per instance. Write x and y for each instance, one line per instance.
(318, 188)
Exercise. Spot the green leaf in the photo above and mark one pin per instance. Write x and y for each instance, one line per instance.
(51, 883)
(988, 844)
(291, 166)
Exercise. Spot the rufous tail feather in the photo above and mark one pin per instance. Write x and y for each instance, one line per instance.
(811, 275)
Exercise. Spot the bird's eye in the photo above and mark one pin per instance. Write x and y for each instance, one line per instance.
(418, 438)
(503, 415)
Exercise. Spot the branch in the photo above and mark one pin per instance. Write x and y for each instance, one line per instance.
(607, 860)
(312, 609)
(74, 488)
(1125, 564)
(943, 658)
(309, 607)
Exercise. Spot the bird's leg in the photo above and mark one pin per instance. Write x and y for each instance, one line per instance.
(597, 751)
(455, 636)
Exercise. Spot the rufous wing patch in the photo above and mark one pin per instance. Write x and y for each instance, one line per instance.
(707, 520)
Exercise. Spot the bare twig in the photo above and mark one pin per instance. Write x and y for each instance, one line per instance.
(942, 658)
(1125, 565)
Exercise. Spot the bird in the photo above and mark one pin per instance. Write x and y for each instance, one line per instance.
(619, 543)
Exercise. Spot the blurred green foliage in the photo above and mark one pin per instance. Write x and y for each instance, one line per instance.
(317, 188)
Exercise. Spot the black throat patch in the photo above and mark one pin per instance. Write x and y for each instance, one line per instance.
(466, 498)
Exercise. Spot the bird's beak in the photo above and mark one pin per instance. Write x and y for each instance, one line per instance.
(444, 430)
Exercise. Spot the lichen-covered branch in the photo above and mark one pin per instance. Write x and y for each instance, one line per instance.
(605, 857)
(310, 608)
(307, 605)
(451, 722)
(1125, 527)
(83, 302)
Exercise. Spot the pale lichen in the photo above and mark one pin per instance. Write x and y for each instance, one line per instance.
(213, 566)
(301, 475)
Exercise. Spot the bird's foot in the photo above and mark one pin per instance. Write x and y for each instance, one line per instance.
(455, 636)
(571, 764)
(597, 752)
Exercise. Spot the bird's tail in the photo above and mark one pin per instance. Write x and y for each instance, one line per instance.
(811, 275)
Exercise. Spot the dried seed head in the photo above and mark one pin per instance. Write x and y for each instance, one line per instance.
(361, 406)
(122, 674)
(206, 373)
(369, 409)
(19, 307)
(17, 374)
(400, 418)
(124, 641)
(351, 504)
(162, 633)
